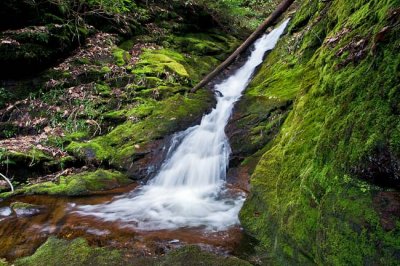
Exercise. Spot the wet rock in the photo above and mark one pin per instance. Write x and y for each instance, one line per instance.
(25, 209)
(147, 160)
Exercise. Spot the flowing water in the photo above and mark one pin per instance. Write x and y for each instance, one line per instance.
(189, 190)
(188, 202)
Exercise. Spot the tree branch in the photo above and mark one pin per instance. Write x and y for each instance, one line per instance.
(8, 181)
(283, 6)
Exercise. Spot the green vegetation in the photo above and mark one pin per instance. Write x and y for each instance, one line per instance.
(71, 253)
(313, 196)
(78, 252)
(151, 120)
(319, 126)
(21, 205)
(81, 184)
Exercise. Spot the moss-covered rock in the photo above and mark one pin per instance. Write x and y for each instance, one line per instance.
(36, 47)
(72, 253)
(149, 121)
(121, 56)
(78, 252)
(162, 62)
(22, 205)
(314, 191)
(21, 165)
(25, 209)
(204, 44)
(85, 183)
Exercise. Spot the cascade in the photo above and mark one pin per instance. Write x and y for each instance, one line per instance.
(189, 190)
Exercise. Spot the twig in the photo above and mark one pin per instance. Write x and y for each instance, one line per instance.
(8, 181)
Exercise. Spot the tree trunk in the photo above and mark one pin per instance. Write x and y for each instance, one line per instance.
(283, 6)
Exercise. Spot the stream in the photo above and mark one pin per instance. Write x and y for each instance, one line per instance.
(188, 202)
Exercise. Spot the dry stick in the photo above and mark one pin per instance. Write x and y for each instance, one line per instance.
(8, 181)
(283, 6)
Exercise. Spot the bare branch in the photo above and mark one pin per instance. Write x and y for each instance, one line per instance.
(8, 181)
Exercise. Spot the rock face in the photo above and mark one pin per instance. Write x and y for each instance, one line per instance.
(325, 189)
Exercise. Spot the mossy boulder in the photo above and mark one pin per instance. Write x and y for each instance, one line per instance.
(25, 209)
(85, 183)
(150, 121)
(21, 165)
(161, 63)
(71, 253)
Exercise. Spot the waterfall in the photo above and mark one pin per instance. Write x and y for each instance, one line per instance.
(189, 190)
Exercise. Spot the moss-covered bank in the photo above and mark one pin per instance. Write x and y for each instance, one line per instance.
(85, 183)
(77, 252)
(113, 101)
(325, 190)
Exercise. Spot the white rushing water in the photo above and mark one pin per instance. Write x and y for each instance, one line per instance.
(189, 190)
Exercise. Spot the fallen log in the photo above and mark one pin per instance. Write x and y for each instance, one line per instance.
(282, 7)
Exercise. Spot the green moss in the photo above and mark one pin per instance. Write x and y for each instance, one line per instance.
(80, 184)
(105, 70)
(312, 200)
(31, 158)
(201, 44)
(127, 45)
(121, 56)
(150, 120)
(70, 253)
(160, 62)
(78, 252)
(103, 89)
(22, 205)
(77, 135)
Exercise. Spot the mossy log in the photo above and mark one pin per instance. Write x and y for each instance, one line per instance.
(282, 7)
